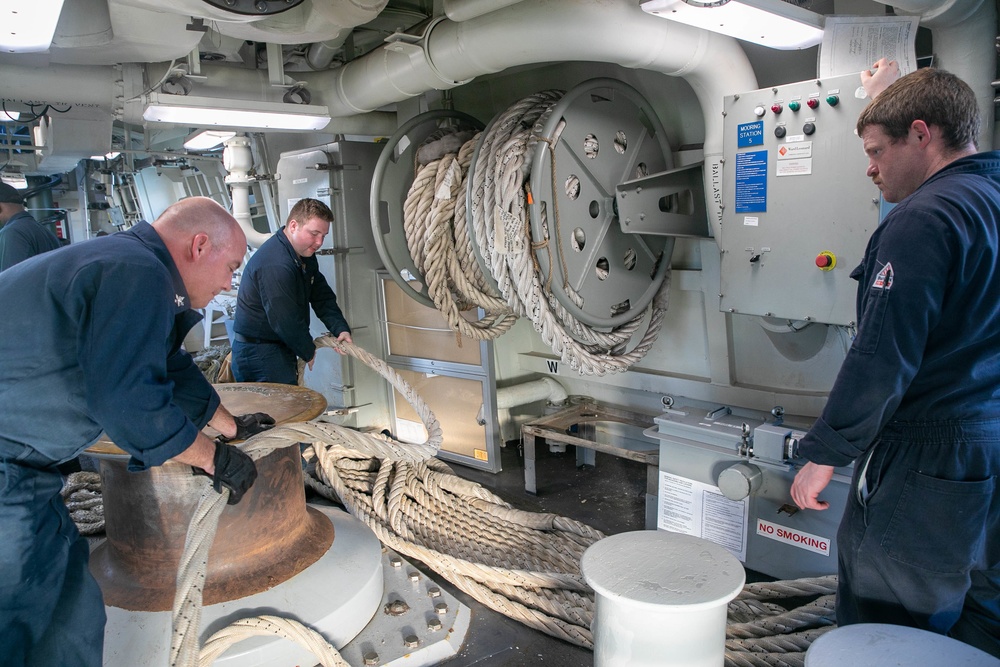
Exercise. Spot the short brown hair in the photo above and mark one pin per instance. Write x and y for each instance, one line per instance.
(932, 95)
(306, 209)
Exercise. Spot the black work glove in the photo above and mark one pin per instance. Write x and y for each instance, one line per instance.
(233, 469)
(248, 425)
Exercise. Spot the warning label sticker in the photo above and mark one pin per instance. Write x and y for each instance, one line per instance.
(796, 538)
(796, 167)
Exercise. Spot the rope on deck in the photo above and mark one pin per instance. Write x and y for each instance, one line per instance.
(524, 565)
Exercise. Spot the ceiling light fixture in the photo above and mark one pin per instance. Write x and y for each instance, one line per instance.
(772, 23)
(211, 112)
(28, 26)
(204, 140)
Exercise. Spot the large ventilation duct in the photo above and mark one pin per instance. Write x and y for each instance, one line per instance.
(534, 32)
(310, 21)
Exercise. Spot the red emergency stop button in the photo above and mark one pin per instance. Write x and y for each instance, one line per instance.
(826, 260)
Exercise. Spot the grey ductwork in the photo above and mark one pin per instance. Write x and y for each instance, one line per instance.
(311, 21)
(616, 31)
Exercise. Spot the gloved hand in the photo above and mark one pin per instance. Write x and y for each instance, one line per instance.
(233, 469)
(248, 425)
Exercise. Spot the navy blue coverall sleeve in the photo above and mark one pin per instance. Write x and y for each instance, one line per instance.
(900, 302)
(124, 334)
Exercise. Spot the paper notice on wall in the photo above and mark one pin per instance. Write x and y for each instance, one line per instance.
(853, 43)
(694, 508)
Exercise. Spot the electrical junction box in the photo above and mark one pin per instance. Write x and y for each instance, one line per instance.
(798, 208)
(742, 501)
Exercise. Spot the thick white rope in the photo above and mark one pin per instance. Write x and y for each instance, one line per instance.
(428, 211)
(522, 564)
(204, 523)
(439, 242)
(82, 494)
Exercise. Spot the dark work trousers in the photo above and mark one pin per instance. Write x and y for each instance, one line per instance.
(920, 545)
(51, 607)
(264, 362)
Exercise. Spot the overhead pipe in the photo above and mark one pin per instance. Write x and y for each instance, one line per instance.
(615, 31)
(238, 161)
(544, 388)
(964, 33)
(463, 10)
(310, 21)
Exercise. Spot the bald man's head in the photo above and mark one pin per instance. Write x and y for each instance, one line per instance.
(206, 244)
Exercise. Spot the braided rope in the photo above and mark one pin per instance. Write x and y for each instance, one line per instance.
(428, 212)
(524, 565)
(82, 494)
(501, 226)
(270, 625)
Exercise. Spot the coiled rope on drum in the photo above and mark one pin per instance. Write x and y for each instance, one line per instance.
(524, 565)
(434, 243)
(441, 246)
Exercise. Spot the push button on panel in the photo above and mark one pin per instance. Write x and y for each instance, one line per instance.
(826, 260)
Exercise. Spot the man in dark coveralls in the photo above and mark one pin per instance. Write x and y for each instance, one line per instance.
(21, 236)
(90, 340)
(281, 282)
(916, 405)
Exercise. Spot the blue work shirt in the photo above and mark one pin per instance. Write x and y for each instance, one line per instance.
(90, 340)
(23, 237)
(928, 339)
(276, 291)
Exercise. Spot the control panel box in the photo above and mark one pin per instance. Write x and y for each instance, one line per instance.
(798, 207)
(727, 478)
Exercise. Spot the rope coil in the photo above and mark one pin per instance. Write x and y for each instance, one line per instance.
(440, 241)
(524, 565)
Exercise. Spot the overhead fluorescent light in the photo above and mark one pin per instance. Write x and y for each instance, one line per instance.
(28, 26)
(6, 116)
(771, 23)
(204, 140)
(107, 156)
(212, 112)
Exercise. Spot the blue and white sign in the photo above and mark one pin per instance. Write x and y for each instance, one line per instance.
(750, 134)
(751, 182)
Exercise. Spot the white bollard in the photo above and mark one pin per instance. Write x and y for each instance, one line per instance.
(661, 599)
(879, 644)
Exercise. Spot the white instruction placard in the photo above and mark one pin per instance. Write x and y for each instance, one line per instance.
(854, 43)
(695, 508)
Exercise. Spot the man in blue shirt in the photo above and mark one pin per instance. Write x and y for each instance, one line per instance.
(21, 236)
(280, 284)
(90, 341)
(916, 405)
